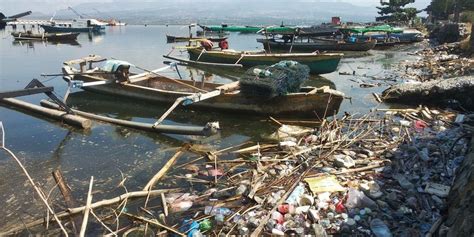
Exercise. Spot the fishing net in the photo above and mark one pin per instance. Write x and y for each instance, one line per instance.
(278, 79)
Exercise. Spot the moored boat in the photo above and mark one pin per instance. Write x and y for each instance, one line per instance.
(245, 29)
(79, 25)
(385, 34)
(319, 63)
(157, 88)
(45, 36)
(314, 44)
(172, 39)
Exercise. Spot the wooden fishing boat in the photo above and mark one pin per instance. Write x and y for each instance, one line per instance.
(45, 36)
(173, 39)
(319, 63)
(245, 29)
(206, 33)
(156, 88)
(314, 44)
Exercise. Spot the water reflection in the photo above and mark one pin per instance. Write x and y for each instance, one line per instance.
(95, 37)
(32, 43)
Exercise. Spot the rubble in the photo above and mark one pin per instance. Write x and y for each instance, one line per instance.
(438, 62)
(445, 91)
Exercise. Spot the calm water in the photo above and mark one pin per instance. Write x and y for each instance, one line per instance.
(106, 151)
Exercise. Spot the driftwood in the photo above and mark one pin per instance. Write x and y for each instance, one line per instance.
(154, 222)
(108, 202)
(165, 168)
(460, 89)
(70, 119)
(68, 198)
(102, 203)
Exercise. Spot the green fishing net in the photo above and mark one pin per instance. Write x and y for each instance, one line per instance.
(275, 80)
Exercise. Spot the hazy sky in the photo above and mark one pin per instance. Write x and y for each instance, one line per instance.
(9, 7)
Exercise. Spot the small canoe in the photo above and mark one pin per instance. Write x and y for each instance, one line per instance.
(154, 88)
(319, 44)
(45, 36)
(173, 39)
(319, 63)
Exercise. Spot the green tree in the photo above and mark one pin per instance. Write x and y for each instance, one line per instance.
(441, 9)
(395, 10)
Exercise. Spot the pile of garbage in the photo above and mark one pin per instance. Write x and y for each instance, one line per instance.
(386, 173)
(437, 63)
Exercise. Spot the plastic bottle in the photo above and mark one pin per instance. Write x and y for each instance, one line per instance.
(295, 195)
(195, 233)
(379, 228)
(205, 225)
(210, 210)
(356, 198)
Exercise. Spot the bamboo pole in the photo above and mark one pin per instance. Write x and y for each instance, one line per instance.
(86, 211)
(165, 168)
(102, 203)
(185, 130)
(108, 202)
(70, 119)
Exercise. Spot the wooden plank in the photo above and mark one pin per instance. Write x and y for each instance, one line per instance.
(23, 92)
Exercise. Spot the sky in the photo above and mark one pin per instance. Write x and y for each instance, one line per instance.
(10, 7)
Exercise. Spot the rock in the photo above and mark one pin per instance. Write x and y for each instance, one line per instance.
(460, 89)
(379, 228)
(403, 181)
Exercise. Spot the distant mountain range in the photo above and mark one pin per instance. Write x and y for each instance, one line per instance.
(267, 12)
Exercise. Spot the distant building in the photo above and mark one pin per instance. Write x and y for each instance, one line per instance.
(335, 20)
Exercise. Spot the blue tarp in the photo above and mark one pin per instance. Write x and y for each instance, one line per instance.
(113, 65)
